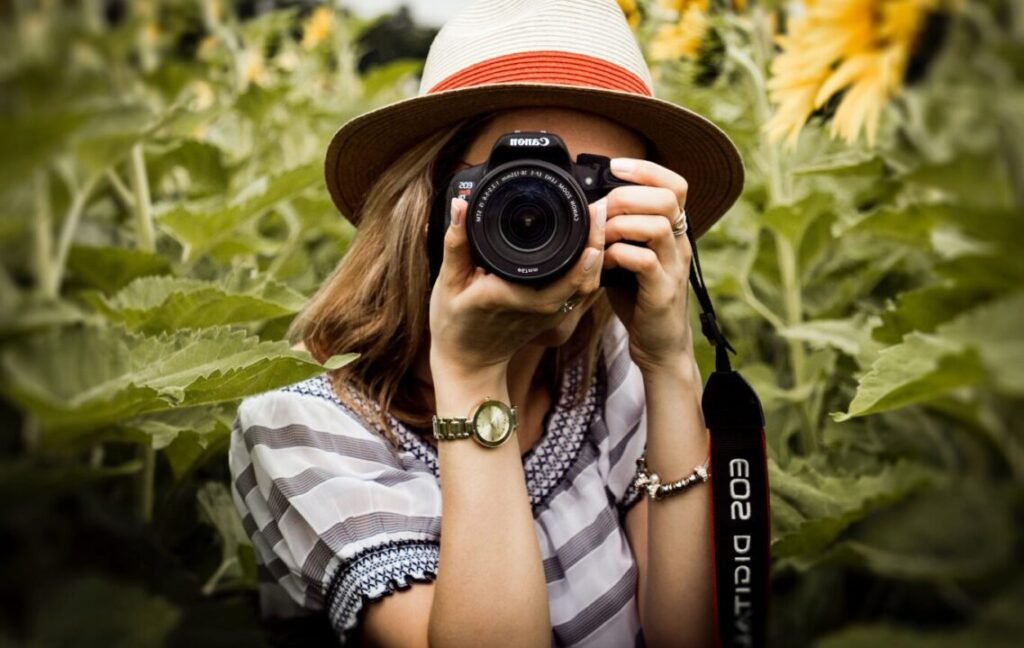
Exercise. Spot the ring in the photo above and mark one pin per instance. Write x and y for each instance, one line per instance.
(568, 305)
(681, 225)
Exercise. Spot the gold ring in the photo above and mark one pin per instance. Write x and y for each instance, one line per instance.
(681, 225)
(569, 304)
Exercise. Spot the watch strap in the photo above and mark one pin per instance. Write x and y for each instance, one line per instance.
(450, 428)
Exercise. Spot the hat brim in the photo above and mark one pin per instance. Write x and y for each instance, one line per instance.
(683, 141)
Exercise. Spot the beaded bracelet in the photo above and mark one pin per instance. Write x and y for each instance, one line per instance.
(652, 482)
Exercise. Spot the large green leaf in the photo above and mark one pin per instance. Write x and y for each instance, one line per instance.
(919, 369)
(111, 268)
(79, 378)
(153, 304)
(200, 230)
(811, 509)
(852, 335)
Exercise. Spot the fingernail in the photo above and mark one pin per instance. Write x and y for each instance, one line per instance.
(455, 211)
(622, 165)
(591, 254)
(602, 212)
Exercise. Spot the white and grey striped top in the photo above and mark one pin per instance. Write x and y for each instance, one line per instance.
(338, 517)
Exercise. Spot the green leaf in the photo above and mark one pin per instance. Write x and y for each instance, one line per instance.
(79, 378)
(220, 512)
(852, 336)
(198, 443)
(994, 329)
(925, 308)
(810, 509)
(111, 268)
(203, 162)
(200, 231)
(845, 163)
(153, 304)
(160, 429)
(919, 369)
(386, 77)
(791, 221)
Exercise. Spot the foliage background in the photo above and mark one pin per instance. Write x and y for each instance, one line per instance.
(164, 217)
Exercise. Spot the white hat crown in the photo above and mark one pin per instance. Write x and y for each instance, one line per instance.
(489, 42)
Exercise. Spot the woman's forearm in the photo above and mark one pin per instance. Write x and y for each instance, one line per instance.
(676, 606)
(490, 588)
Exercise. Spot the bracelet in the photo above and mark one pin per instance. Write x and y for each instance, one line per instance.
(652, 482)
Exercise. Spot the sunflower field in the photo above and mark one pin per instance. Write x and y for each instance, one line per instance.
(163, 217)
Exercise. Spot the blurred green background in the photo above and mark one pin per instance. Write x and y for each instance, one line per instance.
(163, 217)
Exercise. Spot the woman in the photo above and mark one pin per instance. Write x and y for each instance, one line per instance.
(339, 479)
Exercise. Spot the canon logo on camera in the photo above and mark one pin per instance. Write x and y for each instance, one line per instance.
(529, 141)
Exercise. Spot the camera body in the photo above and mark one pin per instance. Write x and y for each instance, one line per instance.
(528, 219)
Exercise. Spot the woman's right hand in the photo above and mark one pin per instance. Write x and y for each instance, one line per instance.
(479, 320)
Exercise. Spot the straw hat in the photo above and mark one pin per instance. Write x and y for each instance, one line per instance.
(498, 54)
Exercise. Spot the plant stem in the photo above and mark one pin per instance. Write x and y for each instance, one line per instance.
(120, 188)
(780, 195)
(67, 231)
(291, 219)
(43, 235)
(146, 238)
(146, 477)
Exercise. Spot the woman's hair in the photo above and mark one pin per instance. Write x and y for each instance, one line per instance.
(377, 300)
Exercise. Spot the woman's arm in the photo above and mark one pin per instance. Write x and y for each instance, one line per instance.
(672, 536)
(490, 589)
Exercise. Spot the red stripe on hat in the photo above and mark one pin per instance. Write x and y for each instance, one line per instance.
(560, 68)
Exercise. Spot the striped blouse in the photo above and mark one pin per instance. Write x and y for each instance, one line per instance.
(339, 517)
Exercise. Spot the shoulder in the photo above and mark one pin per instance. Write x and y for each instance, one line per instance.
(310, 404)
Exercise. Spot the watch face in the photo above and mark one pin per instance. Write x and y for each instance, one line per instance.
(493, 424)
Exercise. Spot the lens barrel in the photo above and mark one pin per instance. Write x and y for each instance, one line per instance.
(528, 221)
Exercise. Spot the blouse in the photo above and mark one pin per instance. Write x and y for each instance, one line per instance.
(339, 517)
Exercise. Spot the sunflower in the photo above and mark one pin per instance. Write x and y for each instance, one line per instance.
(632, 12)
(857, 47)
(683, 37)
(317, 27)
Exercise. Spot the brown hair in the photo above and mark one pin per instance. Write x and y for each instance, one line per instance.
(377, 300)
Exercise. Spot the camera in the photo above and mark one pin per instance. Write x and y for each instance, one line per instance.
(528, 219)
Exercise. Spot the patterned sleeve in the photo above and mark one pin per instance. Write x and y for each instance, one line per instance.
(336, 518)
(625, 414)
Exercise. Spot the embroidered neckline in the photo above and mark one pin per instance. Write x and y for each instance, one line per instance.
(544, 465)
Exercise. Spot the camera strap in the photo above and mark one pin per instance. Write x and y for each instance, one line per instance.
(740, 513)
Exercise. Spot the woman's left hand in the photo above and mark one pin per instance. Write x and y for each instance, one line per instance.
(655, 315)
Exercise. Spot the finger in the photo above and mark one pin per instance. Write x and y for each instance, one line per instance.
(654, 232)
(638, 199)
(596, 241)
(457, 262)
(643, 262)
(645, 172)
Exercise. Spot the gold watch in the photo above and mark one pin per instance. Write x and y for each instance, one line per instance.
(491, 423)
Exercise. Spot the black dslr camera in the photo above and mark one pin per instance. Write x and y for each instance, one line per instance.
(527, 219)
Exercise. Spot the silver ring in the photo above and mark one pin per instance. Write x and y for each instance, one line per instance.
(681, 225)
(568, 305)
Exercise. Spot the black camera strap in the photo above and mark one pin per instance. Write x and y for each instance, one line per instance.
(740, 513)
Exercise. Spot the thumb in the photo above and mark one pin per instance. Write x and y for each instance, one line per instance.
(457, 262)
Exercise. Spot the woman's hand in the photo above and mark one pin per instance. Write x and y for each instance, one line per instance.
(655, 315)
(479, 320)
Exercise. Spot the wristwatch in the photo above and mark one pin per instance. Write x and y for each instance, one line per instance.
(491, 423)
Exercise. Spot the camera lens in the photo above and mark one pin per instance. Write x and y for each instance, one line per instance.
(527, 220)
